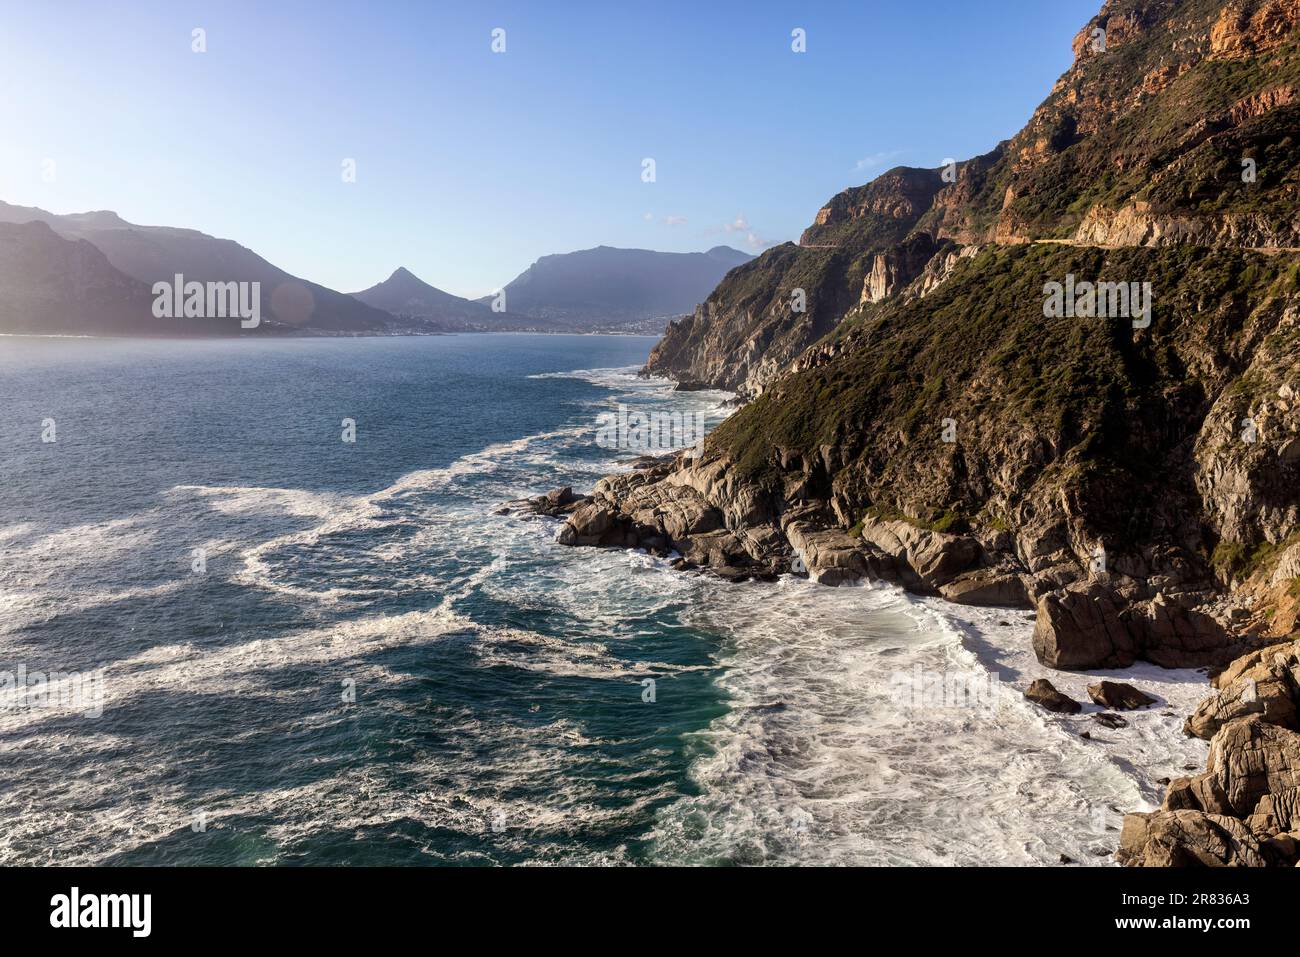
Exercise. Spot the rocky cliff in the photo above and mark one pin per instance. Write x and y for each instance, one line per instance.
(1244, 810)
(965, 445)
(1176, 124)
(932, 419)
(764, 314)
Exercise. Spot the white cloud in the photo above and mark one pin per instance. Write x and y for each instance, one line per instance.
(741, 225)
(876, 160)
(674, 220)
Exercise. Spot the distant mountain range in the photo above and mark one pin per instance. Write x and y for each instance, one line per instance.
(49, 284)
(601, 289)
(153, 253)
(603, 286)
(92, 274)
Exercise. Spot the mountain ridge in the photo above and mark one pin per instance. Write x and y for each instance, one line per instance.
(605, 284)
(569, 296)
(158, 253)
(51, 285)
(399, 304)
(1139, 145)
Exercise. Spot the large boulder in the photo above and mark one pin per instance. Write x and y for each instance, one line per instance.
(1082, 627)
(1277, 813)
(1116, 694)
(591, 524)
(1173, 635)
(829, 556)
(559, 498)
(1187, 838)
(998, 588)
(673, 511)
(936, 558)
(1090, 625)
(554, 504)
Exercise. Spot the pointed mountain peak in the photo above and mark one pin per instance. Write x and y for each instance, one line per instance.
(405, 293)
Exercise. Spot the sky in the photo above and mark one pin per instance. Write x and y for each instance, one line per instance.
(470, 164)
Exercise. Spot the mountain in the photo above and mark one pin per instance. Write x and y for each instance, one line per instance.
(607, 287)
(1142, 144)
(601, 289)
(53, 285)
(729, 257)
(50, 285)
(405, 295)
(1126, 465)
(153, 253)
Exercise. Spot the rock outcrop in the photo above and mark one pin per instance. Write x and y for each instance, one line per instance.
(1245, 808)
(1091, 625)
(1187, 839)
(1264, 683)
(1248, 758)
(1247, 29)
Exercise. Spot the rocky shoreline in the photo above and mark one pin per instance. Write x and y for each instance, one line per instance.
(712, 517)
(1243, 810)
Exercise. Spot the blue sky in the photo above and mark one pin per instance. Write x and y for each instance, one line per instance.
(470, 164)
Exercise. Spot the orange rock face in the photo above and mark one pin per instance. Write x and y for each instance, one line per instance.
(1262, 103)
(1246, 29)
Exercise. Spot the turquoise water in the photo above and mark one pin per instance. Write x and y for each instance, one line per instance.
(372, 666)
(498, 713)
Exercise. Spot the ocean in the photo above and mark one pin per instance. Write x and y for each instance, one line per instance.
(277, 647)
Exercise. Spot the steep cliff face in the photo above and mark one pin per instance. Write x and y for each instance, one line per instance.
(765, 313)
(1178, 123)
(749, 329)
(876, 215)
(1145, 140)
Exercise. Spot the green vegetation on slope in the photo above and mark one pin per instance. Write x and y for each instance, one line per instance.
(1089, 404)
